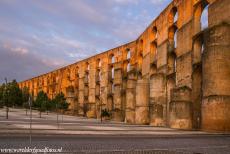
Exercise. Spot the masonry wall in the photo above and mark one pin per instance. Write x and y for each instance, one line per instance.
(175, 74)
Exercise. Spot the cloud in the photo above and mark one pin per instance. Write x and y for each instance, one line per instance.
(18, 50)
(15, 65)
(157, 2)
(44, 35)
(127, 1)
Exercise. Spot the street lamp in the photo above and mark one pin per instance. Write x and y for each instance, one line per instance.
(6, 101)
(30, 104)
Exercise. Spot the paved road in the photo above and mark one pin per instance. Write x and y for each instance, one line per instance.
(81, 135)
(123, 144)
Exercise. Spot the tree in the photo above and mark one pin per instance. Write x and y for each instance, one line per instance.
(48, 106)
(5, 98)
(25, 98)
(41, 101)
(14, 94)
(2, 90)
(61, 103)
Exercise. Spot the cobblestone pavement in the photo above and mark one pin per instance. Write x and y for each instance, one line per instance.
(122, 144)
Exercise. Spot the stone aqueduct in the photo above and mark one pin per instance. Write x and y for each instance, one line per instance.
(175, 74)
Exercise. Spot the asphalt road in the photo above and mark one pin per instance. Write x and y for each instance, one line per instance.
(122, 144)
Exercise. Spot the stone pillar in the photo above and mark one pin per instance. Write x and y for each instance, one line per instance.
(98, 96)
(180, 108)
(81, 96)
(76, 104)
(130, 99)
(70, 97)
(157, 100)
(142, 102)
(91, 113)
(216, 79)
(117, 97)
(103, 102)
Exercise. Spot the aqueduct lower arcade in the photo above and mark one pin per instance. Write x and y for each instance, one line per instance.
(176, 74)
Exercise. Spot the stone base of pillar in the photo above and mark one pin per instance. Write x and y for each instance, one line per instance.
(157, 122)
(180, 115)
(91, 113)
(142, 115)
(117, 116)
(215, 113)
(130, 116)
(156, 115)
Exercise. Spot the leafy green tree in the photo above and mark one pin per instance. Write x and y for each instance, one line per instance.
(48, 106)
(5, 98)
(52, 105)
(60, 102)
(14, 94)
(25, 98)
(41, 102)
(2, 90)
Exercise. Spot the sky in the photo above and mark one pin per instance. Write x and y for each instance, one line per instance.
(38, 36)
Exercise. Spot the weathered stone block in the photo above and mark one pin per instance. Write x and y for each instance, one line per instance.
(130, 99)
(215, 113)
(157, 115)
(142, 93)
(216, 63)
(219, 12)
(162, 54)
(184, 70)
(130, 116)
(142, 115)
(180, 115)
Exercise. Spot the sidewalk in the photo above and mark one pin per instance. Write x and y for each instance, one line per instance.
(19, 123)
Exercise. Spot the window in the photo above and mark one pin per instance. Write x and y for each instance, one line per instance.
(204, 18)
(128, 54)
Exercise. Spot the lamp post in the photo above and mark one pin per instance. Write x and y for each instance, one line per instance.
(6, 101)
(30, 104)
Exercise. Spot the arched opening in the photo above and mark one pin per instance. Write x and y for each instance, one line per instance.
(172, 63)
(140, 60)
(128, 67)
(201, 16)
(139, 75)
(153, 51)
(128, 56)
(112, 72)
(175, 39)
(204, 17)
(87, 66)
(202, 49)
(99, 75)
(155, 33)
(77, 72)
(141, 45)
(173, 16)
(113, 88)
(172, 31)
(198, 49)
(153, 70)
(98, 63)
(112, 59)
(86, 78)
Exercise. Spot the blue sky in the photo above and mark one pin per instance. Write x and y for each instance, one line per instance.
(37, 36)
